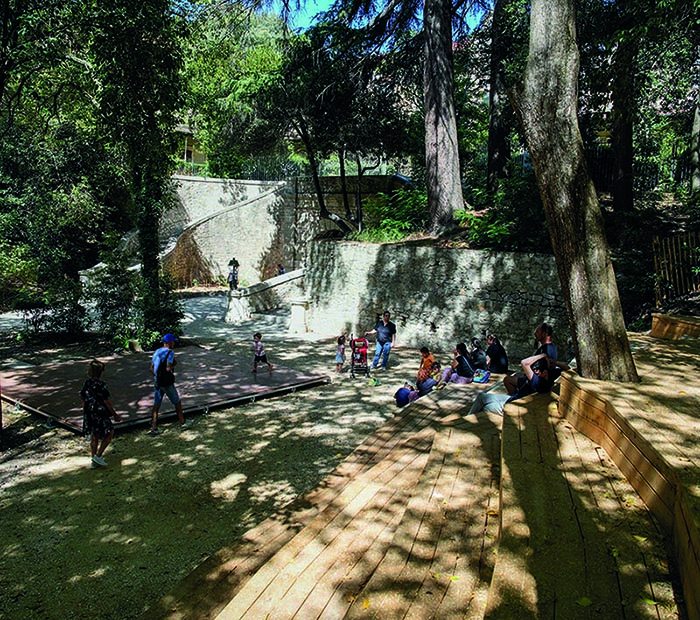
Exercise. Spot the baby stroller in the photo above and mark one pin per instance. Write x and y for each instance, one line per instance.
(358, 359)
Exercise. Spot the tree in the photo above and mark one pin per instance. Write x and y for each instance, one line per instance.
(392, 19)
(546, 103)
(499, 150)
(443, 176)
(61, 184)
(137, 57)
(695, 153)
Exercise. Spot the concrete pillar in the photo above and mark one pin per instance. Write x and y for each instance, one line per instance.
(238, 308)
(297, 320)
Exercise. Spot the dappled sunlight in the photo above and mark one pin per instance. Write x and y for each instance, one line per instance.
(228, 488)
(186, 495)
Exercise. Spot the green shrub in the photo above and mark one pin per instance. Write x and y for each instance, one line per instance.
(395, 216)
(514, 220)
(112, 291)
(167, 319)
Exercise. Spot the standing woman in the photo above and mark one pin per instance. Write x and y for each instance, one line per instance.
(97, 411)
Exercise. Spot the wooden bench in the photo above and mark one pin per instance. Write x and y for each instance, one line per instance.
(674, 327)
(657, 460)
(575, 541)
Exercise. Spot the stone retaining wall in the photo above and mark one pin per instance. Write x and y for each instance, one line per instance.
(437, 296)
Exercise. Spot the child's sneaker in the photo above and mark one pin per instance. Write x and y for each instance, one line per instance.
(155, 432)
(186, 425)
(98, 460)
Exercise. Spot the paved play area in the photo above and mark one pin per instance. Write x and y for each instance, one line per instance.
(205, 380)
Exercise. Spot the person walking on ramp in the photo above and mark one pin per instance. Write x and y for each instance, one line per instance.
(162, 365)
(97, 411)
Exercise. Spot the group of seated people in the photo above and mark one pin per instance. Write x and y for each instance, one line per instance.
(467, 362)
(539, 371)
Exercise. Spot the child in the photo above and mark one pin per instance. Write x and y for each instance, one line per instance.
(259, 353)
(436, 374)
(427, 359)
(405, 395)
(340, 354)
(97, 410)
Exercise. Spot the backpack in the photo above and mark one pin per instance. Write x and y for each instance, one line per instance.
(164, 377)
(481, 376)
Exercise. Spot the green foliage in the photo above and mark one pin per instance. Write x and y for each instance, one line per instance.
(112, 292)
(151, 326)
(62, 312)
(17, 274)
(394, 217)
(514, 221)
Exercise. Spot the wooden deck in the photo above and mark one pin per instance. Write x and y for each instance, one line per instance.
(434, 516)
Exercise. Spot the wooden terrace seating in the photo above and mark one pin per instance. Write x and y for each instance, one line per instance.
(434, 516)
(674, 327)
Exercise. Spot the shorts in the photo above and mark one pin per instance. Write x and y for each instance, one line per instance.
(339, 359)
(260, 359)
(170, 392)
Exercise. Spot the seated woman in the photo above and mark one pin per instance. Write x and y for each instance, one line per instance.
(477, 355)
(461, 371)
(496, 356)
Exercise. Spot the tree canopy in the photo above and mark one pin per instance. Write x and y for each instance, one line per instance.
(90, 94)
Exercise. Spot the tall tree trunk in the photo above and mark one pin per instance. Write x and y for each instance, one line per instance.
(498, 142)
(546, 103)
(344, 184)
(303, 132)
(695, 148)
(623, 113)
(441, 145)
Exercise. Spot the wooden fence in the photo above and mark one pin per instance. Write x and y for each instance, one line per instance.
(677, 266)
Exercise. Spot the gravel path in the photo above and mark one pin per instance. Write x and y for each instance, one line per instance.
(80, 543)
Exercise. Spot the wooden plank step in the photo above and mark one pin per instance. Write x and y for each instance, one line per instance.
(566, 547)
(633, 537)
(550, 560)
(206, 590)
(278, 588)
(438, 558)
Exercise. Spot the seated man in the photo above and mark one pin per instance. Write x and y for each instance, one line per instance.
(536, 371)
(544, 344)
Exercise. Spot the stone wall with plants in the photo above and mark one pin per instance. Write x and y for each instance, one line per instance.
(437, 296)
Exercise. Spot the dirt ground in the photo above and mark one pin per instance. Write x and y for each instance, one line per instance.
(81, 543)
